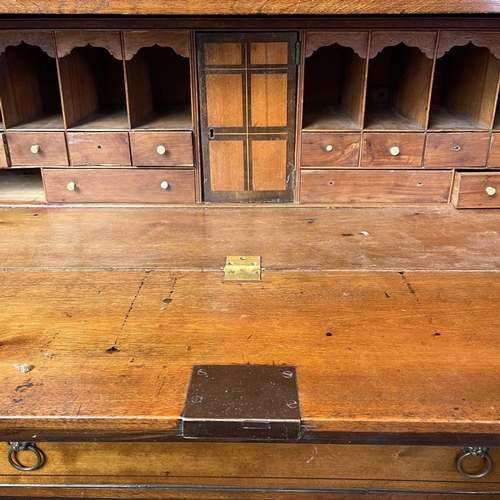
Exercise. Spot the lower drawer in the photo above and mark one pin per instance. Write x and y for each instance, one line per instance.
(375, 186)
(476, 190)
(119, 185)
(253, 466)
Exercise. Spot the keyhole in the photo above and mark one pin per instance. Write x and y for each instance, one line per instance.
(211, 133)
(99, 147)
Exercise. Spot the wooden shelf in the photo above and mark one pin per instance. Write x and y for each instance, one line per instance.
(174, 117)
(21, 186)
(399, 79)
(103, 120)
(45, 122)
(389, 118)
(159, 89)
(464, 89)
(93, 86)
(333, 89)
(30, 96)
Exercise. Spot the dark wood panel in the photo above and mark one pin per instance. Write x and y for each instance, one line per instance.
(457, 150)
(374, 186)
(228, 7)
(119, 186)
(100, 148)
(476, 190)
(37, 148)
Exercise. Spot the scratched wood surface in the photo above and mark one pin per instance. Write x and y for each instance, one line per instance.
(286, 238)
(236, 7)
(112, 352)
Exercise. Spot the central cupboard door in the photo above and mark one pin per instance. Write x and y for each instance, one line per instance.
(247, 108)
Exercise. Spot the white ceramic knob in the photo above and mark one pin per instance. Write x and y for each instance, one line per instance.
(329, 148)
(35, 148)
(161, 150)
(71, 186)
(164, 185)
(394, 151)
(491, 191)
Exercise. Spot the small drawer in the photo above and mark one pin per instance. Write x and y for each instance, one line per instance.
(99, 148)
(330, 150)
(393, 150)
(3, 155)
(494, 160)
(457, 150)
(162, 149)
(38, 149)
(476, 190)
(119, 185)
(374, 186)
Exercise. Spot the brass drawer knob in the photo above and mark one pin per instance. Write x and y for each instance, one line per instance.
(16, 447)
(164, 185)
(491, 191)
(475, 452)
(394, 151)
(161, 150)
(329, 148)
(35, 149)
(71, 186)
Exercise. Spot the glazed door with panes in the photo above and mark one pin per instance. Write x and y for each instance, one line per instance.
(247, 109)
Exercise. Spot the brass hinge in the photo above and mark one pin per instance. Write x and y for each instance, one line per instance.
(243, 268)
(298, 53)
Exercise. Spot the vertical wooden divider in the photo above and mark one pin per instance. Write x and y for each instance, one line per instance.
(59, 80)
(363, 106)
(198, 177)
(125, 77)
(299, 114)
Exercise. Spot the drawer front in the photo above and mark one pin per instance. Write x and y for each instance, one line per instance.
(161, 149)
(100, 148)
(330, 150)
(119, 186)
(3, 156)
(259, 465)
(38, 149)
(374, 186)
(393, 150)
(494, 160)
(476, 190)
(457, 150)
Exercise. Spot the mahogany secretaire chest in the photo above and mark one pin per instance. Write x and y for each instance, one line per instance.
(234, 257)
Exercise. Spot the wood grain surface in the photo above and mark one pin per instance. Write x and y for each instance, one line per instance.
(286, 238)
(251, 467)
(232, 7)
(381, 352)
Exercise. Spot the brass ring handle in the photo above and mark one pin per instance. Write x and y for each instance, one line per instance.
(16, 447)
(476, 452)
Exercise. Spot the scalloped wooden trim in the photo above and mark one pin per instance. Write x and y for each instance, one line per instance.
(134, 41)
(356, 40)
(450, 39)
(423, 40)
(43, 39)
(66, 41)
